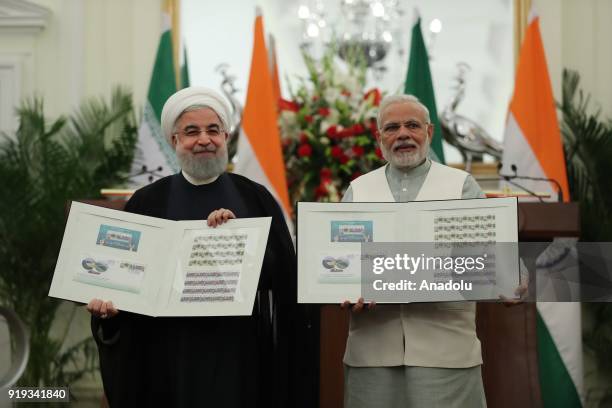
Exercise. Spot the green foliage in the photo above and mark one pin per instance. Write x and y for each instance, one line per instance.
(46, 164)
(588, 149)
(588, 152)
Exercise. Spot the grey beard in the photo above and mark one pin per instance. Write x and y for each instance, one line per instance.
(405, 160)
(203, 169)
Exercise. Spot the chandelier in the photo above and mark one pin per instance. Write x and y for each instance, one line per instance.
(368, 27)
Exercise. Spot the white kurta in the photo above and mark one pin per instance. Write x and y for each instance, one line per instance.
(425, 335)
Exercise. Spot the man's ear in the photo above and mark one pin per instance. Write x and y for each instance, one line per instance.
(430, 130)
(174, 140)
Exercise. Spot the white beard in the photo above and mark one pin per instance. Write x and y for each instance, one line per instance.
(405, 159)
(203, 168)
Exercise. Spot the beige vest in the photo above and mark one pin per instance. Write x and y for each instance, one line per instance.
(420, 334)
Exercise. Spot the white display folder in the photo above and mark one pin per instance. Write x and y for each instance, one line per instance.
(333, 239)
(159, 267)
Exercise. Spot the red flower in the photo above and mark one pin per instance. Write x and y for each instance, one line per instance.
(379, 153)
(303, 137)
(336, 152)
(373, 93)
(355, 175)
(344, 159)
(373, 128)
(358, 128)
(304, 150)
(332, 131)
(348, 132)
(284, 104)
(325, 174)
(358, 151)
(308, 118)
(320, 191)
(324, 112)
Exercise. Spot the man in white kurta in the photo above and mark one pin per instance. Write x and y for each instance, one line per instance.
(413, 355)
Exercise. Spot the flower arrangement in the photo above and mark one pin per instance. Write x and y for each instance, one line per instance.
(328, 130)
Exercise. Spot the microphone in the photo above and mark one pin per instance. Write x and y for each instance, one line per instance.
(515, 176)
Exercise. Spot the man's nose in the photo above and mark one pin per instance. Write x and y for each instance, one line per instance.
(403, 132)
(203, 138)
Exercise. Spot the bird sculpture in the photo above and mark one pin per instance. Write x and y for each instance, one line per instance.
(467, 136)
(229, 90)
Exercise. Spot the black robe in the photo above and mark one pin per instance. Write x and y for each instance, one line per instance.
(244, 361)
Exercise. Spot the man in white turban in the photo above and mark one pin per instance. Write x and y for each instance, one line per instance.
(181, 131)
(203, 361)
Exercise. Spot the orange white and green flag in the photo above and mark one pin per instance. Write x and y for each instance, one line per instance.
(532, 142)
(260, 155)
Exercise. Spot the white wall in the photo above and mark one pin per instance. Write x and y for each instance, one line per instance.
(586, 46)
(86, 48)
(576, 35)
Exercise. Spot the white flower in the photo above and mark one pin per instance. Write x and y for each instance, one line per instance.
(333, 192)
(330, 120)
(287, 117)
(331, 95)
(364, 112)
(334, 116)
(288, 124)
(351, 84)
(324, 126)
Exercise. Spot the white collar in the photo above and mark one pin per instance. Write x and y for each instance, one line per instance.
(197, 182)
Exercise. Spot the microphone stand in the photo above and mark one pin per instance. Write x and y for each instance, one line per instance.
(145, 170)
(510, 177)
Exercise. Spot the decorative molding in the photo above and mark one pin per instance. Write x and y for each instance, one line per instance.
(11, 68)
(21, 16)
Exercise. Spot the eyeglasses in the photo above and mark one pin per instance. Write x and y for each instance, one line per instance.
(194, 132)
(413, 126)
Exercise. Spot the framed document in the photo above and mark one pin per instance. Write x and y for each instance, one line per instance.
(420, 251)
(160, 267)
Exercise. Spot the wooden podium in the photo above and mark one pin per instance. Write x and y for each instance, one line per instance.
(508, 334)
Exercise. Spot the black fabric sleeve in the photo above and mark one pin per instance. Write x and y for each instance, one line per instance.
(296, 326)
(106, 331)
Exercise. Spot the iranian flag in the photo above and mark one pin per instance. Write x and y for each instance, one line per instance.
(419, 83)
(153, 151)
(532, 142)
(260, 156)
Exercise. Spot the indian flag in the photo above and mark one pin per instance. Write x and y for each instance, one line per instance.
(532, 143)
(260, 156)
(153, 151)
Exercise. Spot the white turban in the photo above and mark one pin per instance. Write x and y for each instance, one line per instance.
(194, 95)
